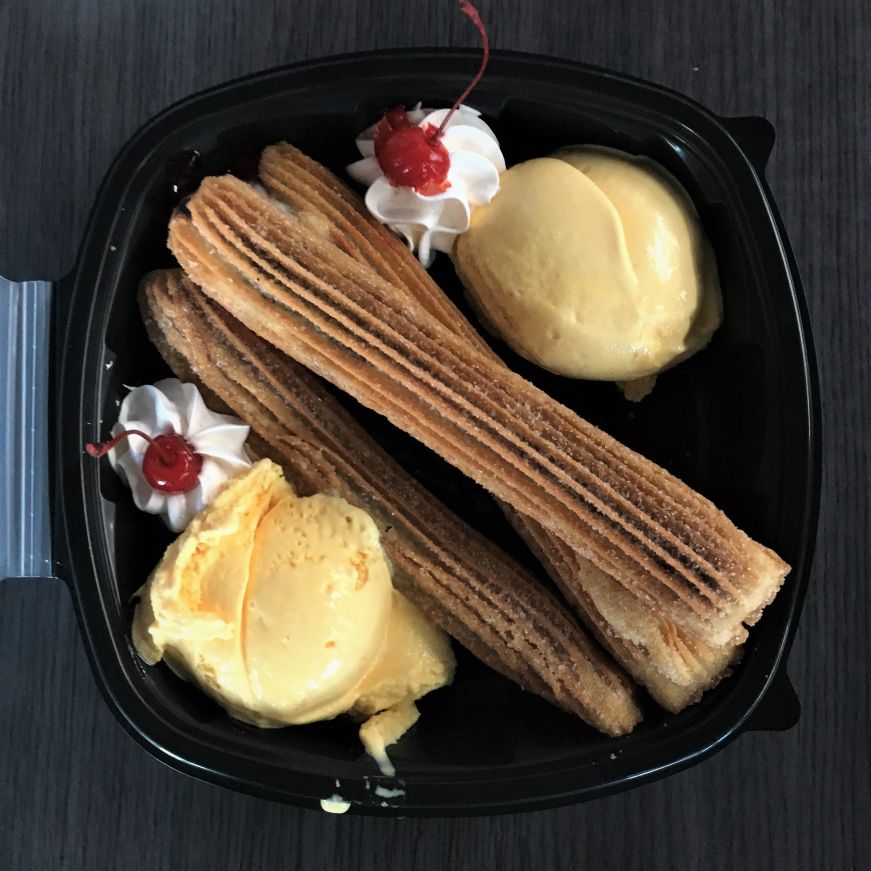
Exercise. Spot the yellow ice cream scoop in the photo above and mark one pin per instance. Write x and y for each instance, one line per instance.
(592, 264)
(283, 610)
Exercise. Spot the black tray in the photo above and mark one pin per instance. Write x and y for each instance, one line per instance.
(740, 422)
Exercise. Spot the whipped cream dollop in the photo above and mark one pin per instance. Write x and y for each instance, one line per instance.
(431, 223)
(171, 406)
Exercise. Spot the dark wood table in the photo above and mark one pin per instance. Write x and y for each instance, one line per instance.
(77, 78)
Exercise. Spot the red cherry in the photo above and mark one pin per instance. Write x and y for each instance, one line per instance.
(409, 158)
(414, 157)
(170, 464)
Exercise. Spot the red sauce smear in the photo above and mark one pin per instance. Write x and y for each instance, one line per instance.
(415, 157)
(170, 465)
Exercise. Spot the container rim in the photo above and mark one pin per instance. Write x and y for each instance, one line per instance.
(177, 747)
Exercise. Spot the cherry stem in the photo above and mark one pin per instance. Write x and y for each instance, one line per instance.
(103, 448)
(469, 10)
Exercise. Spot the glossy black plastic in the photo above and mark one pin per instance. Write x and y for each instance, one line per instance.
(740, 422)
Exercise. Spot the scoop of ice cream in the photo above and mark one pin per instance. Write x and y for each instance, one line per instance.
(592, 264)
(283, 610)
(431, 223)
(170, 406)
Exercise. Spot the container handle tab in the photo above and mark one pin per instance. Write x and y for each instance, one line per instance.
(25, 541)
(755, 136)
(779, 709)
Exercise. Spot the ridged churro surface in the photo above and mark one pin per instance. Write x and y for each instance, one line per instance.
(281, 276)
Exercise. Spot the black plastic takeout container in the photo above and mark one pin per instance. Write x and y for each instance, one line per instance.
(739, 422)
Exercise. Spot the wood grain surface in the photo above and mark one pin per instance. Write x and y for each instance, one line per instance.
(77, 77)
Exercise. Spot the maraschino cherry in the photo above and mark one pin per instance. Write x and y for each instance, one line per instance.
(415, 157)
(170, 464)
